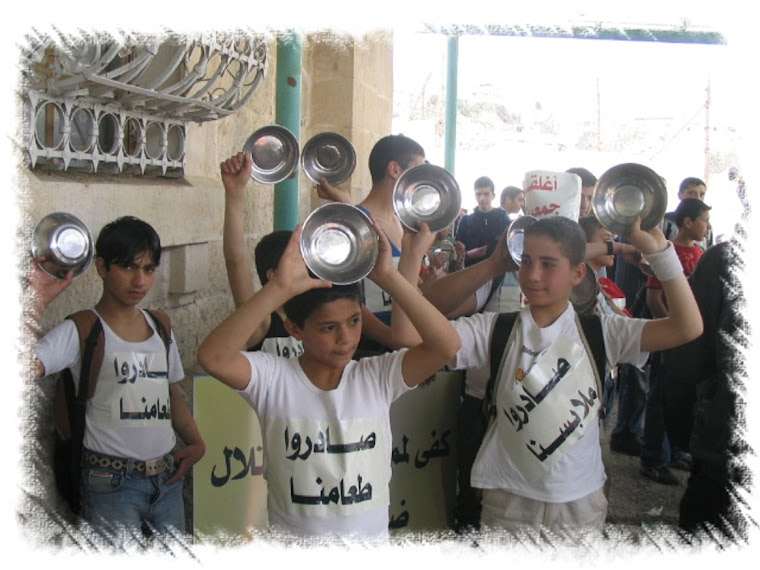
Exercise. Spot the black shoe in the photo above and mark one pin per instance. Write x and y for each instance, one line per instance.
(660, 475)
(630, 445)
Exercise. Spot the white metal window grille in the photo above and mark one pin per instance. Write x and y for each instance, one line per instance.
(122, 107)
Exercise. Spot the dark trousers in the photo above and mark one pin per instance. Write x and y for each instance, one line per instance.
(632, 400)
(471, 427)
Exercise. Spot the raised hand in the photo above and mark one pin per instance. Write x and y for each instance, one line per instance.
(292, 274)
(236, 172)
(45, 288)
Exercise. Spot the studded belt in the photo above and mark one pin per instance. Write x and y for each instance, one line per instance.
(150, 467)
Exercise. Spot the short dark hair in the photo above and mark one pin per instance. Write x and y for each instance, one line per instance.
(398, 148)
(587, 179)
(589, 225)
(484, 182)
(123, 239)
(566, 232)
(510, 192)
(298, 308)
(268, 252)
(690, 208)
(689, 182)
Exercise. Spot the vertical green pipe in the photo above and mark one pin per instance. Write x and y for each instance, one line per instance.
(288, 114)
(450, 132)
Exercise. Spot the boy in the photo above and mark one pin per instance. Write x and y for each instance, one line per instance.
(668, 417)
(271, 335)
(540, 464)
(130, 477)
(690, 187)
(325, 417)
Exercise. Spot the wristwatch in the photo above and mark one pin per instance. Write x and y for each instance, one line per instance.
(610, 246)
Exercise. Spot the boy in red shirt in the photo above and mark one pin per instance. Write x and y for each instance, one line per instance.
(668, 419)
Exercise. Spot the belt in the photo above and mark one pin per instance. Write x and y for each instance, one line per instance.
(150, 467)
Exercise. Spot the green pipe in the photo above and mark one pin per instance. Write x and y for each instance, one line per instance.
(450, 134)
(288, 115)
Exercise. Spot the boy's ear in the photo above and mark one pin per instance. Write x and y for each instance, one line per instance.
(394, 170)
(270, 274)
(293, 329)
(100, 266)
(579, 273)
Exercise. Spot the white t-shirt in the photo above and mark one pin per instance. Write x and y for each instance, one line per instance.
(327, 453)
(579, 471)
(130, 412)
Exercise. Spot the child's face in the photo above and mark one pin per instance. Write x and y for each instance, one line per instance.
(331, 333)
(699, 227)
(128, 284)
(546, 275)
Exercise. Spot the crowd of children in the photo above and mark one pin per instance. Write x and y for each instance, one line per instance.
(300, 352)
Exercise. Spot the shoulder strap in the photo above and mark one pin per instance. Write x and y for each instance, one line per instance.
(502, 333)
(91, 347)
(593, 340)
(163, 328)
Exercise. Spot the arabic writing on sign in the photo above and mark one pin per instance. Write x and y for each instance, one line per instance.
(542, 182)
(157, 411)
(248, 465)
(519, 415)
(544, 210)
(585, 402)
(439, 448)
(322, 444)
(402, 520)
(338, 494)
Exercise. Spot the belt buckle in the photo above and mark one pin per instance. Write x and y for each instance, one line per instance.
(155, 467)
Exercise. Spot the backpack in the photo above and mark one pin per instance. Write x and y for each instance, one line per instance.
(69, 406)
(503, 333)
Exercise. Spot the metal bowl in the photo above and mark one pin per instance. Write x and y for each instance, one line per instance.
(427, 193)
(516, 236)
(339, 243)
(626, 191)
(329, 156)
(274, 150)
(583, 295)
(65, 243)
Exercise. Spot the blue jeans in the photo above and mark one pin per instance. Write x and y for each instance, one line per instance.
(632, 385)
(130, 504)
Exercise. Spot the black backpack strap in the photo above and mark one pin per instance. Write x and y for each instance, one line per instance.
(502, 334)
(70, 405)
(593, 340)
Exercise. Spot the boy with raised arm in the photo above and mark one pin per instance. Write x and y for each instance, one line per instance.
(325, 417)
(540, 463)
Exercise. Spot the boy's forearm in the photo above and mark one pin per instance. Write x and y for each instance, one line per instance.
(233, 245)
(232, 334)
(433, 328)
(683, 311)
(452, 290)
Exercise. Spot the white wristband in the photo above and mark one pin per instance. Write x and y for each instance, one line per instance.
(665, 264)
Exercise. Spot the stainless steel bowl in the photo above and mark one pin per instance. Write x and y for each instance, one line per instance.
(515, 237)
(65, 243)
(339, 243)
(329, 156)
(274, 150)
(427, 193)
(583, 295)
(626, 191)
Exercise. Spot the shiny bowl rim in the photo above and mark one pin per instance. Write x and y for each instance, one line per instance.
(617, 225)
(311, 147)
(410, 173)
(353, 211)
(513, 227)
(288, 138)
(40, 244)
